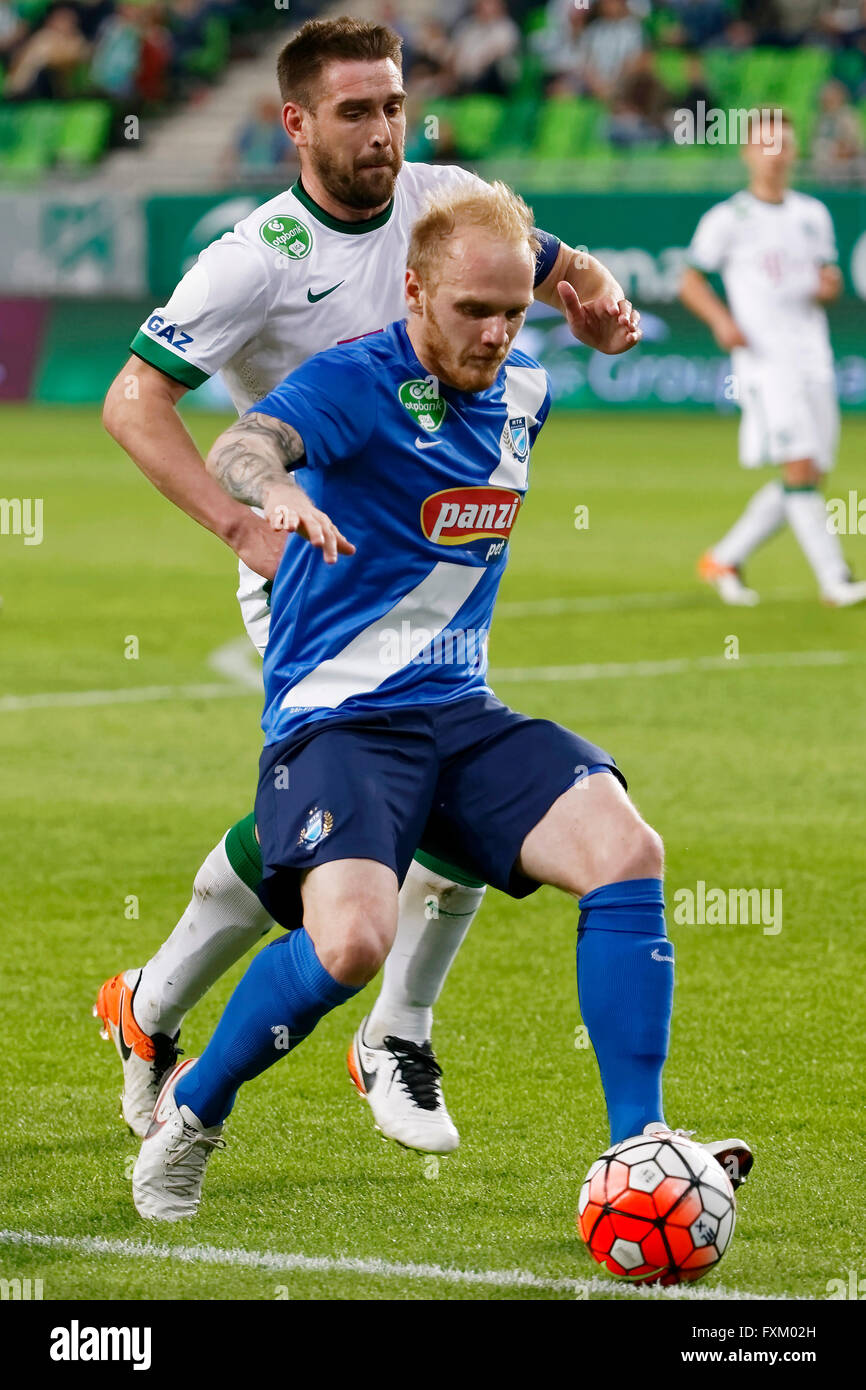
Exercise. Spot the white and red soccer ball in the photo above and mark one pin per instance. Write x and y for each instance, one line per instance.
(657, 1209)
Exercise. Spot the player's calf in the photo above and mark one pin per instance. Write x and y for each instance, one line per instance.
(599, 848)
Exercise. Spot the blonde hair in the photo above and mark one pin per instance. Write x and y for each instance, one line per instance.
(492, 206)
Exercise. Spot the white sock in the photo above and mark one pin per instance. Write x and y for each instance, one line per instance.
(222, 921)
(435, 915)
(762, 518)
(807, 517)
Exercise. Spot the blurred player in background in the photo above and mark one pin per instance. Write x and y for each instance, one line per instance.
(776, 253)
(320, 264)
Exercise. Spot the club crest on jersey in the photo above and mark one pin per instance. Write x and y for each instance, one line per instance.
(288, 235)
(318, 825)
(515, 436)
(422, 400)
(459, 515)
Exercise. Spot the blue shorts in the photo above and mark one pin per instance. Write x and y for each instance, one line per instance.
(465, 782)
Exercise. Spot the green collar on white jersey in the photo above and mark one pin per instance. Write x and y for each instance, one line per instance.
(353, 228)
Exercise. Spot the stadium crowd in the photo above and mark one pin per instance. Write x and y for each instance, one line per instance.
(625, 66)
(612, 51)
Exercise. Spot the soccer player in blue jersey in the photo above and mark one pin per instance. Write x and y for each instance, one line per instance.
(381, 733)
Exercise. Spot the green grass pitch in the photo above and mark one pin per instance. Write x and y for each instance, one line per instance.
(751, 768)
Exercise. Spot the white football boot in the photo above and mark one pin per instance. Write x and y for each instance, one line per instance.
(401, 1082)
(146, 1060)
(169, 1171)
(845, 595)
(727, 582)
(734, 1155)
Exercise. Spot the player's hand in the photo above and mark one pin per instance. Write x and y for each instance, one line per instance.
(729, 335)
(258, 545)
(288, 508)
(829, 284)
(607, 324)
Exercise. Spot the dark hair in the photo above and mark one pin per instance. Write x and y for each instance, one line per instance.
(323, 41)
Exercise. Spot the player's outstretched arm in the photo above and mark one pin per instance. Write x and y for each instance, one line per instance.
(592, 301)
(251, 460)
(140, 413)
(699, 297)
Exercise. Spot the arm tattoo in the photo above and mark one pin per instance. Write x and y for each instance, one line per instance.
(251, 456)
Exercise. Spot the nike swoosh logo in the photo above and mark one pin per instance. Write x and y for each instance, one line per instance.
(368, 1077)
(314, 298)
(122, 1044)
(426, 443)
(657, 955)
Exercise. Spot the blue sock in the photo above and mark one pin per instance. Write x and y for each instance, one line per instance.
(279, 1001)
(625, 986)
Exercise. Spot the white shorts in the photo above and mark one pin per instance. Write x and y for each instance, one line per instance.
(254, 597)
(787, 414)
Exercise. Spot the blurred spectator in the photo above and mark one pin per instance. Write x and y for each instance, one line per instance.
(188, 19)
(117, 54)
(837, 140)
(12, 28)
(431, 71)
(155, 57)
(697, 89)
(559, 43)
(46, 62)
(485, 49)
(609, 42)
(640, 105)
(262, 145)
(698, 21)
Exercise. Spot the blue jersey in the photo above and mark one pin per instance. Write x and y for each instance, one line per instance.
(427, 482)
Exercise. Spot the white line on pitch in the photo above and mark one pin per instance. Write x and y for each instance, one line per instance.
(278, 1262)
(75, 699)
(614, 670)
(616, 603)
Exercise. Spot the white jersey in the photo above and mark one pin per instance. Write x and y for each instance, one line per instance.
(289, 281)
(769, 256)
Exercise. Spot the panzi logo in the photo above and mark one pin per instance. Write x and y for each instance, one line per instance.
(462, 514)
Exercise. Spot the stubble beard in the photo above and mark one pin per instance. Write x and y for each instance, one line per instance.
(448, 366)
(357, 188)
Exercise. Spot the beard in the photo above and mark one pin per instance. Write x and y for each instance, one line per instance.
(465, 370)
(365, 185)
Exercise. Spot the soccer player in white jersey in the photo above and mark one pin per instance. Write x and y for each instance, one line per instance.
(318, 265)
(775, 250)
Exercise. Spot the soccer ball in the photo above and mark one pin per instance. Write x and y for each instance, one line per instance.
(657, 1210)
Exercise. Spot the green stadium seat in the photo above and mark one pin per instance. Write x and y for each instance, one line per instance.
(210, 59)
(722, 70)
(517, 130)
(568, 128)
(671, 65)
(476, 121)
(85, 133)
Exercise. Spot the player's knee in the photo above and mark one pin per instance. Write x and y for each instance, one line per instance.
(356, 950)
(642, 854)
(638, 852)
